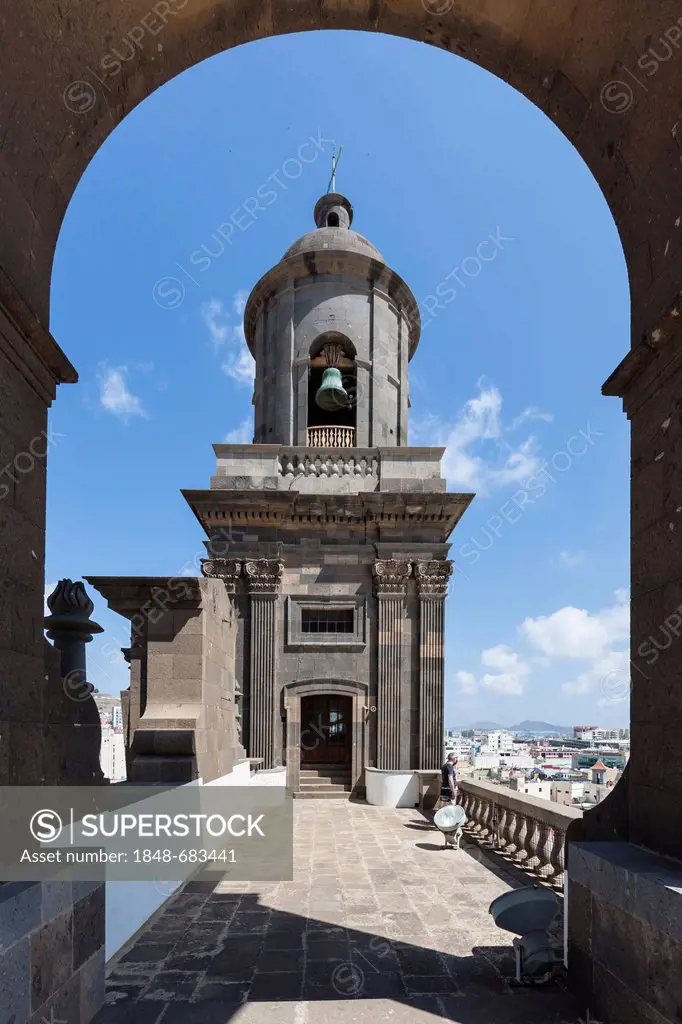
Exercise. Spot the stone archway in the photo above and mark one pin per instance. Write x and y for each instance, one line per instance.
(606, 73)
(72, 75)
(293, 695)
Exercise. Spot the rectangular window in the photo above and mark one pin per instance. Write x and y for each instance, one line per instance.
(328, 620)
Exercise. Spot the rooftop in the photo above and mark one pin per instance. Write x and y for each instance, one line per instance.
(380, 923)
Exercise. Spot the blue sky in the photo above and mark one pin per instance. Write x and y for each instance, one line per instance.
(439, 158)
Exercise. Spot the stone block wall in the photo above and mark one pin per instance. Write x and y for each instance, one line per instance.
(188, 727)
(625, 932)
(51, 951)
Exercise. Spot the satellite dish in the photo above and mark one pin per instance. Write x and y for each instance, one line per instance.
(529, 912)
(450, 821)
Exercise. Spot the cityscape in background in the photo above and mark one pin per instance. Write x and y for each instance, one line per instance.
(112, 752)
(577, 765)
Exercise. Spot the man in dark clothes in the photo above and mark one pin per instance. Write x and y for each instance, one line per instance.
(448, 782)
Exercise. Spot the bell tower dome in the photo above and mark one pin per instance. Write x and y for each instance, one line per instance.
(332, 328)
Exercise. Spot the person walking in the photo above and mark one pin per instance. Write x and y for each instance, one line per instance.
(448, 782)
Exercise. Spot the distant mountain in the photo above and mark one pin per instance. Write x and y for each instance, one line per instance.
(525, 726)
(529, 726)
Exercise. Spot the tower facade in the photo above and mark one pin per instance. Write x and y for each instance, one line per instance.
(329, 531)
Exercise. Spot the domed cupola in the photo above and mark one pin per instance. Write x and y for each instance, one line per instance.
(331, 327)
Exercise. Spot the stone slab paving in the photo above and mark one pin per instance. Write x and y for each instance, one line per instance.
(379, 923)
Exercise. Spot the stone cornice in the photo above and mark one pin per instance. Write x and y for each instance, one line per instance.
(390, 578)
(263, 576)
(438, 510)
(433, 577)
(658, 353)
(31, 348)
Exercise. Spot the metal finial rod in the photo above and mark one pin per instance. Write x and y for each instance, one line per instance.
(335, 163)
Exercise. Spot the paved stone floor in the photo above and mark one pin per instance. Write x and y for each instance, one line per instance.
(380, 923)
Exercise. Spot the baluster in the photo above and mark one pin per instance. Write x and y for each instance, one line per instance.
(521, 840)
(559, 858)
(500, 829)
(534, 839)
(478, 811)
(546, 868)
(512, 821)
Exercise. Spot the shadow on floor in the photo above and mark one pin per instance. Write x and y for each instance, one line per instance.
(214, 958)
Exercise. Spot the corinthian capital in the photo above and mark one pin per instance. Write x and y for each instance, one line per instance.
(263, 576)
(432, 577)
(224, 569)
(391, 577)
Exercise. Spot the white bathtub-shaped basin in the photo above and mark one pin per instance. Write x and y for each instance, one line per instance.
(392, 788)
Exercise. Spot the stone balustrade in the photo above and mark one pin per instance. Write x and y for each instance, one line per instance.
(528, 831)
(292, 464)
(331, 437)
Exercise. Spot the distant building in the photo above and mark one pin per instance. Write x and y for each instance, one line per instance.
(497, 741)
(532, 787)
(112, 755)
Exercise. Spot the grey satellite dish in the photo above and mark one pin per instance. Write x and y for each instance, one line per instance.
(528, 913)
(450, 821)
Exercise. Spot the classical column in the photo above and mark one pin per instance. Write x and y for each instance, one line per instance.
(263, 579)
(390, 585)
(432, 585)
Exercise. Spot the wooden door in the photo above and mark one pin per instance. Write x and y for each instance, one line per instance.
(326, 723)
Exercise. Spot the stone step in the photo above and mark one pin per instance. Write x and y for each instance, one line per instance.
(322, 794)
(312, 776)
(322, 786)
(324, 772)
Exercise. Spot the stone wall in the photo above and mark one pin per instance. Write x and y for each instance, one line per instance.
(625, 932)
(52, 951)
(182, 690)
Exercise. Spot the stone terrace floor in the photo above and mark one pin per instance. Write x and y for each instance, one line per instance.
(379, 924)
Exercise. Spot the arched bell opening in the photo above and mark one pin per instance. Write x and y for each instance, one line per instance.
(332, 392)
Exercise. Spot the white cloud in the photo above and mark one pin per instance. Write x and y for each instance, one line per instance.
(467, 682)
(115, 396)
(576, 633)
(509, 679)
(478, 457)
(568, 560)
(239, 364)
(241, 367)
(241, 434)
(239, 300)
(609, 670)
(212, 312)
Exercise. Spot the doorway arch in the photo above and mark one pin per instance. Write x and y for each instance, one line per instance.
(356, 694)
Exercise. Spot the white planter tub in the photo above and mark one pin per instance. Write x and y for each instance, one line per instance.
(392, 788)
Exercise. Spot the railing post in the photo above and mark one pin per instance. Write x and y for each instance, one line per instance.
(546, 868)
(533, 845)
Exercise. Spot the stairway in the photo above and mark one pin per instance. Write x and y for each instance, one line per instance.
(325, 782)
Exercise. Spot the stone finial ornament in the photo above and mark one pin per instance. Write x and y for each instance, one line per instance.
(70, 609)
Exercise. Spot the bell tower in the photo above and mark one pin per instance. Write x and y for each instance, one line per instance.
(329, 531)
(332, 329)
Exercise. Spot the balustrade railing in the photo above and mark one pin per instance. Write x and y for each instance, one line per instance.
(331, 437)
(528, 831)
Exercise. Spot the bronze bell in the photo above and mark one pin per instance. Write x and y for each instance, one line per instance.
(331, 394)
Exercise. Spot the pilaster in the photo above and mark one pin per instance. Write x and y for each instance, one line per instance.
(390, 587)
(263, 580)
(432, 586)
